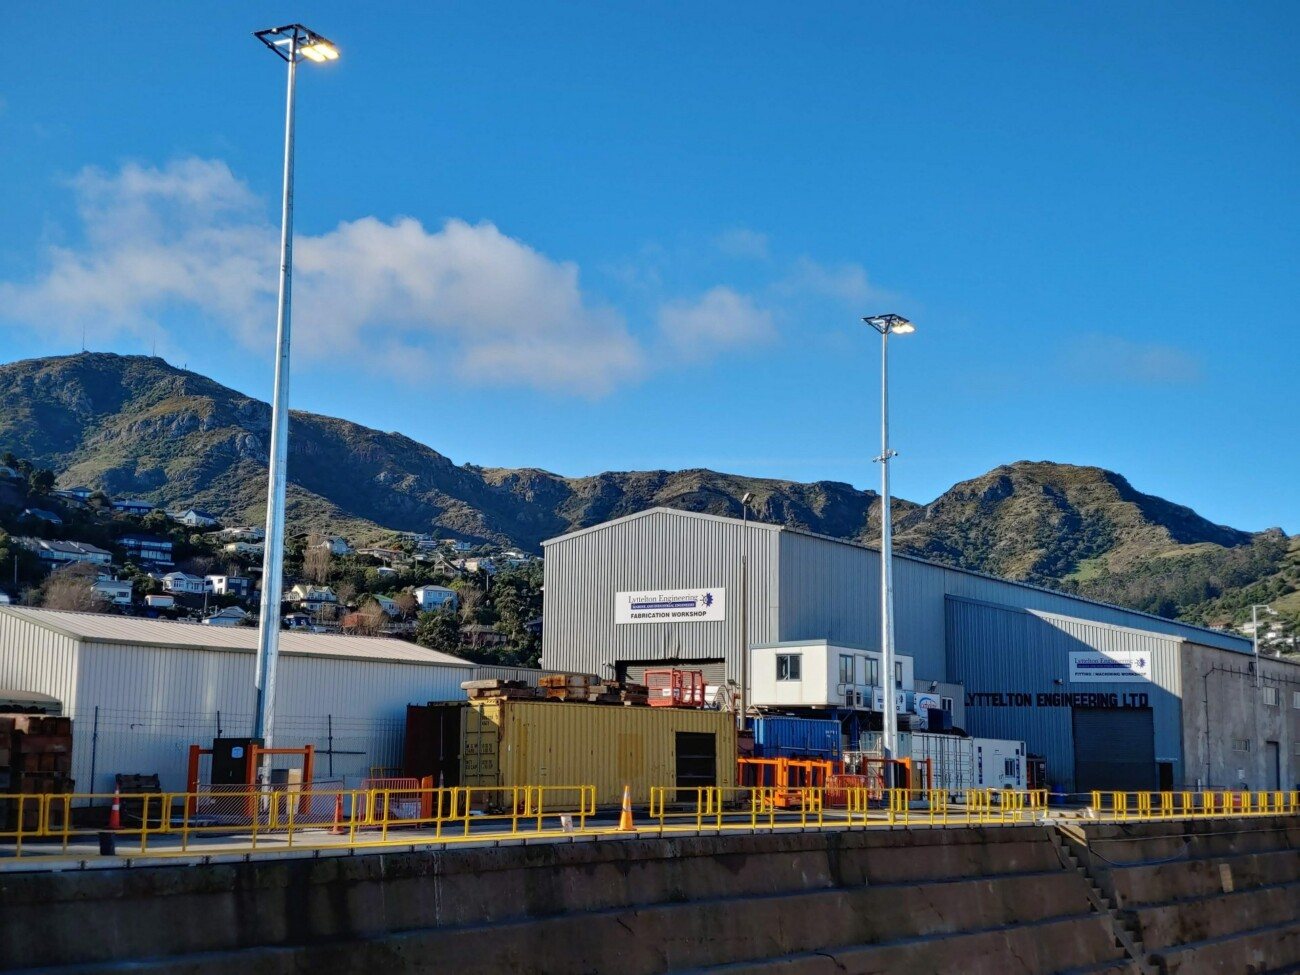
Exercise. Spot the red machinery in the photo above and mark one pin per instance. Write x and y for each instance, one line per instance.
(675, 688)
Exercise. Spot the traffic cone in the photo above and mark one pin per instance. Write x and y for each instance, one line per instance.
(115, 813)
(337, 829)
(625, 820)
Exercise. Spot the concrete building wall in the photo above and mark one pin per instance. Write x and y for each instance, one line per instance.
(1227, 706)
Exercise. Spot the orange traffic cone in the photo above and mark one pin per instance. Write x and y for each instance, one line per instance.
(625, 820)
(337, 829)
(115, 813)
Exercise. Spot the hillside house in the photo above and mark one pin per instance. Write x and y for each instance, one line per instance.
(194, 518)
(65, 553)
(115, 591)
(147, 548)
(40, 514)
(230, 616)
(184, 583)
(225, 585)
(131, 506)
(435, 597)
(311, 598)
(161, 600)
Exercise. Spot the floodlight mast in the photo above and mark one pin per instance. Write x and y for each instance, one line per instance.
(887, 325)
(292, 43)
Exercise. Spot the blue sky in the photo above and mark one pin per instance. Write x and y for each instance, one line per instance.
(601, 236)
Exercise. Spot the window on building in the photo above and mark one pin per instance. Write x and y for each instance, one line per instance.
(945, 704)
(1295, 700)
(1296, 748)
(846, 668)
(1009, 767)
(873, 672)
(1241, 744)
(1270, 696)
(898, 674)
(789, 666)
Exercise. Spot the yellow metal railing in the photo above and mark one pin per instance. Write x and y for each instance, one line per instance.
(238, 820)
(1185, 804)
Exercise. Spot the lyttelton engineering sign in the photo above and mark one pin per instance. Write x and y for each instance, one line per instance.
(1110, 666)
(702, 605)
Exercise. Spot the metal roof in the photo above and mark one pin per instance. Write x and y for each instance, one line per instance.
(660, 509)
(134, 631)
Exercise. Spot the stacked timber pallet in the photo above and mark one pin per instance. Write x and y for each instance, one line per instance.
(35, 759)
(495, 690)
(573, 688)
(584, 688)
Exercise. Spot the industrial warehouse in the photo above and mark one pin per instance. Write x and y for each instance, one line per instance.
(141, 692)
(1109, 698)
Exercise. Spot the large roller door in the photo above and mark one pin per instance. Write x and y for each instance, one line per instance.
(715, 671)
(1114, 748)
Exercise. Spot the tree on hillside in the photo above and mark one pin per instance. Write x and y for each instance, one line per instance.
(72, 588)
(41, 482)
(407, 604)
(317, 560)
(439, 630)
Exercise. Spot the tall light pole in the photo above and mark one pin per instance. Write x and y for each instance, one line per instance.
(1254, 632)
(887, 325)
(293, 43)
(744, 613)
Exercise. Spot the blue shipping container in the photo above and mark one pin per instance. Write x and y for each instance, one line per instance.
(780, 737)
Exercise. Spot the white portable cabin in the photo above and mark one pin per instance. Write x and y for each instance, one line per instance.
(821, 674)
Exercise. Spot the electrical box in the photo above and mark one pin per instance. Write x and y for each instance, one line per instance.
(230, 758)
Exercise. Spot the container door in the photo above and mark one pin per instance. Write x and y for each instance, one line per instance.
(696, 761)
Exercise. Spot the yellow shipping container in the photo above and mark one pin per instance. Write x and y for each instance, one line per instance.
(505, 743)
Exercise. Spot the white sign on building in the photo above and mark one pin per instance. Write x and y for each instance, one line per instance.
(671, 606)
(1110, 667)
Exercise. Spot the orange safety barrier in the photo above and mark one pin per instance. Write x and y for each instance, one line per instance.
(790, 778)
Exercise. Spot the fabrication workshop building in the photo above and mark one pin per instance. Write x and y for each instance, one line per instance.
(141, 691)
(1112, 698)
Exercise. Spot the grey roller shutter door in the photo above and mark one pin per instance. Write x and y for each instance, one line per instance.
(1114, 749)
(715, 671)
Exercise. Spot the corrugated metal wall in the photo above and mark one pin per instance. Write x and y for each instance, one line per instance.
(663, 549)
(154, 702)
(33, 659)
(997, 649)
(831, 590)
(549, 743)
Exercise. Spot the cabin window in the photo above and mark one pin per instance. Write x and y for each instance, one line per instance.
(789, 666)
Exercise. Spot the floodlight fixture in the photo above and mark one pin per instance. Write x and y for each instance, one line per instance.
(890, 324)
(293, 42)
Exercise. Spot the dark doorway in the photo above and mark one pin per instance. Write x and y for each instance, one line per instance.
(697, 761)
(1273, 764)
(1166, 776)
(1114, 749)
(433, 743)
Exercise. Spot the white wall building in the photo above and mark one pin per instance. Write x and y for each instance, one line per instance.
(183, 582)
(116, 591)
(434, 597)
(161, 686)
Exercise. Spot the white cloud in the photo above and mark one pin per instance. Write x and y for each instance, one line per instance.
(843, 282)
(385, 295)
(719, 319)
(1114, 358)
(742, 242)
